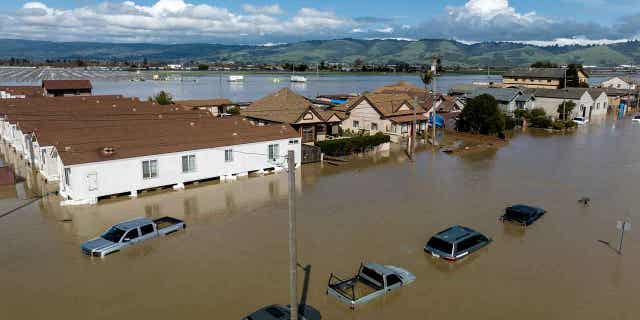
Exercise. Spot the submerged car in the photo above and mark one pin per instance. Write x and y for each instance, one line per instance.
(580, 120)
(636, 118)
(522, 214)
(280, 312)
(456, 243)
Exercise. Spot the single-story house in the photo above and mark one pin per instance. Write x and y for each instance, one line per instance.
(217, 107)
(617, 96)
(312, 122)
(509, 99)
(621, 82)
(586, 105)
(116, 146)
(389, 113)
(60, 88)
(543, 78)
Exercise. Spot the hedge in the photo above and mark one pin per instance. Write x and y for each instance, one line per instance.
(341, 147)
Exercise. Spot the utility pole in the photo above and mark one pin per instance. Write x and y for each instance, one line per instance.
(564, 104)
(293, 277)
(413, 129)
(434, 69)
(623, 226)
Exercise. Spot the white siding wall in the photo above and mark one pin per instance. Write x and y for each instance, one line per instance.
(618, 84)
(125, 175)
(600, 106)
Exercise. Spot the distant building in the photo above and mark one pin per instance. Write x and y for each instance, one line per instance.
(62, 88)
(621, 82)
(509, 99)
(312, 122)
(543, 78)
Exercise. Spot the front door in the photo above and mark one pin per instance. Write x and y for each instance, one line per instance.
(308, 134)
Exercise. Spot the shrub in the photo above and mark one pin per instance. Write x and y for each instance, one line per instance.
(481, 115)
(541, 122)
(341, 147)
(558, 125)
(570, 124)
(509, 123)
(538, 112)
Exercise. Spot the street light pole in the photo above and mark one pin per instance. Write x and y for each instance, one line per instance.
(293, 277)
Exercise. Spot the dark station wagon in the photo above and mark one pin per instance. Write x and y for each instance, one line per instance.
(456, 243)
(522, 214)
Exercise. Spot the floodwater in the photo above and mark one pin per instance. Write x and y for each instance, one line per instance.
(215, 85)
(233, 257)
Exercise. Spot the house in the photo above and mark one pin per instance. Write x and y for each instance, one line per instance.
(617, 96)
(20, 92)
(389, 113)
(60, 88)
(621, 82)
(122, 146)
(550, 99)
(544, 78)
(217, 107)
(509, 99)
(600, 104)
(312, 122)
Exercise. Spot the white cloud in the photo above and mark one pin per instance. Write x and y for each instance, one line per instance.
(271, 10)
(165, 20)
(385, 30)
(578, 41)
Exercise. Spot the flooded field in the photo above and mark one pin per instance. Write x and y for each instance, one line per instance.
(233, 257)
(203, 85)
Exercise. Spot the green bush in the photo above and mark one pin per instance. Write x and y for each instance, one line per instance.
(541, 122)
(341, 147)
(509, 123)
(558, 125)
(481, 115)
(570, 124)
(538, 112)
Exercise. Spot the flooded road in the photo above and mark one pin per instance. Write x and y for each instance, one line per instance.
(233, 257)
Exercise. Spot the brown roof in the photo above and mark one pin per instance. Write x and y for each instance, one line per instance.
(66, 84)
(80, 128)
(409, 118)
(388, 104)
(402, 87)
(29, 91)
(284, 106)
(204, 103)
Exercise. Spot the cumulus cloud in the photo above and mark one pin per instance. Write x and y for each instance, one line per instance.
(181, 21)
(271, 10)
(166, 20)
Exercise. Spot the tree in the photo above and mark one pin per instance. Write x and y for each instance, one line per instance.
(482, 115)
(162, 98)
(203, 67)
(565, 109)
(573, 79)
(544, 64)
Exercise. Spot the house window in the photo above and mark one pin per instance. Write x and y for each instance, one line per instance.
(293, 141)
(374, 126)
(273, 152)
(356, 124)
(405, 128)
(149, 169)
(228, 155)
(598, 106)
(67, 176)
(189, 163)
(44, 156)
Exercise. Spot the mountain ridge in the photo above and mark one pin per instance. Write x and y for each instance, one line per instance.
(345, 50)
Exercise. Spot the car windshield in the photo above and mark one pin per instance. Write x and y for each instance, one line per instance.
(441, 245)
(114, 234)
(578, 119)
(637, 117)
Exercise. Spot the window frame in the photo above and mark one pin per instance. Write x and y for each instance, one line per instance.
(129, 231)
(142, 233)
(228, 155)
(152, 170)
(67, 176)
(356, 124)
(273, 152)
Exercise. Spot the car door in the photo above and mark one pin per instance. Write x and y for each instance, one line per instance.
(132, 236)
(147, 232)
(393, 282)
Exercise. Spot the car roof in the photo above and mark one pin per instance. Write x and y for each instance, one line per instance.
(130, 224)
(456, 233)
(525, 208)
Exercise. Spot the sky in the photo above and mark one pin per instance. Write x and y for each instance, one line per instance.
(267, 22)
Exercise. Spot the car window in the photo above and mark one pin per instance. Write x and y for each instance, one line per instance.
(441, 245)
(393, 279)
(470, 242)
(132, 234)
(146, 229)
(275, 312)
(372, 274)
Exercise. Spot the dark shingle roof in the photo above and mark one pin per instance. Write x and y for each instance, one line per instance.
(66, 84)
(545, 73)
(566, 93)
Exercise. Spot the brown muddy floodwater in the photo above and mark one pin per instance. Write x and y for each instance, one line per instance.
(233, 257)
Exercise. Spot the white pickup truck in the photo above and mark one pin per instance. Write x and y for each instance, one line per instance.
(130, 232)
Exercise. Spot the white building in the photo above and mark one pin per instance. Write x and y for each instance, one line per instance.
(111, 149)
(620, 82)
(589, 102)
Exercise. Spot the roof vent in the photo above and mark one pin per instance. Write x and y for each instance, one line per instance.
(235, 133)
(134, 109)
(67, 148)
(192, 124)
(160, 116)
(108, 151)
(113, 105)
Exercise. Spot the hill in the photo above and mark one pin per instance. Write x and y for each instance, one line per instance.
(339, 50)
